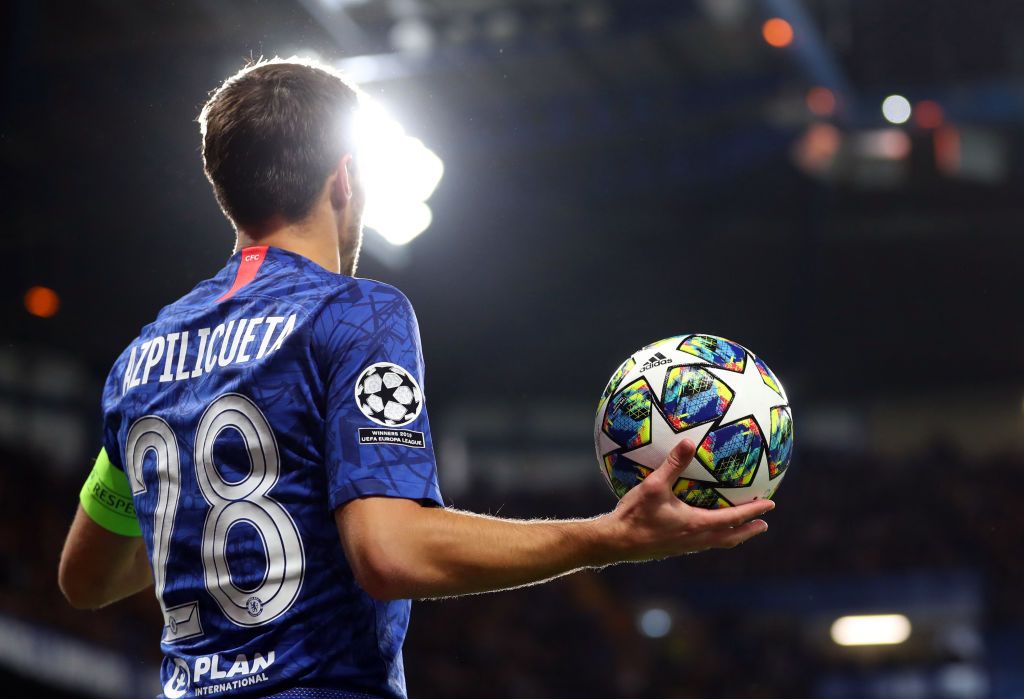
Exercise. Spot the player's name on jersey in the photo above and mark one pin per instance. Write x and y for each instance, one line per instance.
(188, 354)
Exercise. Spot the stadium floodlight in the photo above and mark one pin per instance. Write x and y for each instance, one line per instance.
(399, 173)
(399, 223)
(871, 630)
(896, 109)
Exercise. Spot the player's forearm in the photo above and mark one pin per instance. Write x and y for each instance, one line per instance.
(135, 577)
(88, 589)
(462, 553)
(441, 552)
(98, 567)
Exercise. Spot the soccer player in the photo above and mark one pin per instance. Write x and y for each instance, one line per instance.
(267, 461)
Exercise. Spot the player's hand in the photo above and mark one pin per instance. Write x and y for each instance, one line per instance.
(650, 522)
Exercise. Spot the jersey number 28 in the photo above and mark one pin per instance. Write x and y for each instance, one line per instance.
(231, 503)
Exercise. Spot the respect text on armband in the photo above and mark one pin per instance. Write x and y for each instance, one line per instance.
(110, 499)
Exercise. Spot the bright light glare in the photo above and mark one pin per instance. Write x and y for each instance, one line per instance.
(871, 630)
(399, 223)
(655, 623)
(896, 109)
(399, 173)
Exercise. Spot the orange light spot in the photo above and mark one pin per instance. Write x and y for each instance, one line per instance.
(928, 114)
(42, 301)
(821, 101)
(777, 32)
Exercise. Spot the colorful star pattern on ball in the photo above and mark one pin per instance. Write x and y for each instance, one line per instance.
(780, 449)
(716, 350)
(698, 494)
(732, 452)
(768, 377)
(628, 417)
(617, 377)
(622, 473)
(693, 396)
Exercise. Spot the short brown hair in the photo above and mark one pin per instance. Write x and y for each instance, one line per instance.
(271, 134)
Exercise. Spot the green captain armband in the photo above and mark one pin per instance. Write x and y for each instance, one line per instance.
(107, 498)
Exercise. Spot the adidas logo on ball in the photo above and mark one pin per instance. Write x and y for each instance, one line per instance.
(657, 360)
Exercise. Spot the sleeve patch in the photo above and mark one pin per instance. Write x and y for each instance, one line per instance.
(388, 395)
(404, 438)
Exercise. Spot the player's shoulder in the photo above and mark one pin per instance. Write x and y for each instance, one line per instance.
(363, 312)
(357, 296)
(372, 286)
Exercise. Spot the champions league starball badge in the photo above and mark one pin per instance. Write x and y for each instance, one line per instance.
(388, 395)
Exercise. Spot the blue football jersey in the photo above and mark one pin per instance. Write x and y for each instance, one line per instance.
(242, 417)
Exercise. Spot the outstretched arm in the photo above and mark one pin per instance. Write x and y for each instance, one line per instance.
(399, 549)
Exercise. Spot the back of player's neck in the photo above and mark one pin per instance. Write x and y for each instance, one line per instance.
(321, 249)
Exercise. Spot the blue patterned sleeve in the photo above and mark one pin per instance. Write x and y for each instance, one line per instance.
(377, 436)
(111, 411)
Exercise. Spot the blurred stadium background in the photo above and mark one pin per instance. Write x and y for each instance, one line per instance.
(835, 183)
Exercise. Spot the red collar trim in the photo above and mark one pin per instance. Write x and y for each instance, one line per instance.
(250, 263)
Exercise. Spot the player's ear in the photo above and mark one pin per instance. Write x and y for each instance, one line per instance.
(341, 187)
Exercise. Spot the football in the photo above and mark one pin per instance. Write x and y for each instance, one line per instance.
(388, 394)
(716, 393)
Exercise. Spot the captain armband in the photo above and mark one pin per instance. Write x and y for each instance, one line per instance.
(107, 498)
